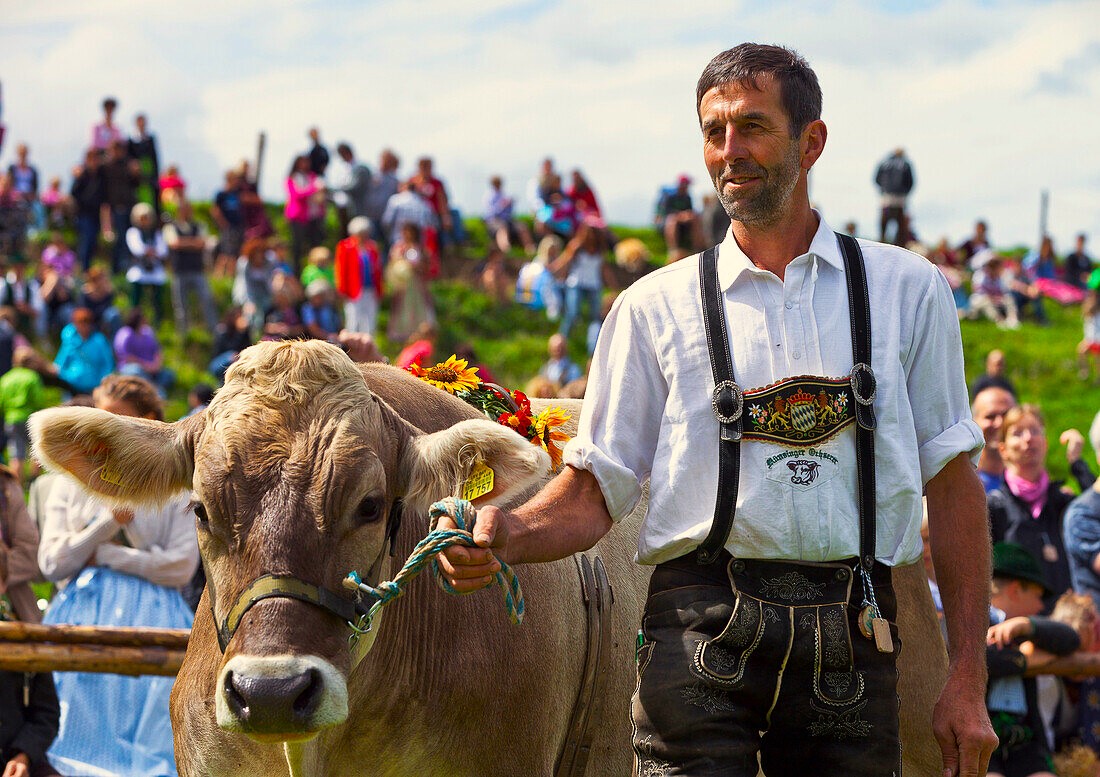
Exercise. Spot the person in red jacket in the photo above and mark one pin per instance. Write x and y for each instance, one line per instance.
(359, 276)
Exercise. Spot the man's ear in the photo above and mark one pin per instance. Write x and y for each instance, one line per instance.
(437, 465)
(126, 460)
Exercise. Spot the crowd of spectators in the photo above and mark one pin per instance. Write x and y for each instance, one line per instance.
(363, 245)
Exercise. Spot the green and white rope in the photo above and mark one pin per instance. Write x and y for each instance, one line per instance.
(424, 554)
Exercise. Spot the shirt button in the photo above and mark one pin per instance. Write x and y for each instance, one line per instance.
(796, 355)
(789, 305)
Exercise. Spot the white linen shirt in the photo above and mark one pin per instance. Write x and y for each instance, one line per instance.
(647, 411)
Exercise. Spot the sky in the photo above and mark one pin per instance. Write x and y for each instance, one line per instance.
(995, 101)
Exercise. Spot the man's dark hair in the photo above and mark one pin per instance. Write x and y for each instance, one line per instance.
(344, 148)
(746, 63)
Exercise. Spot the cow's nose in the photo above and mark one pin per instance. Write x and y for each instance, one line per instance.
(274, 704)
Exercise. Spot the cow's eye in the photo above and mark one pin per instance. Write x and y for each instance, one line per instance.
(200, 513)
(369, 510)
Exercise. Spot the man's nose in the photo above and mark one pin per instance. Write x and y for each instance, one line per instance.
(734, 147)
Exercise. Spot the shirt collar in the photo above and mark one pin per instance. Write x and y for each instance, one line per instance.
(732, 262)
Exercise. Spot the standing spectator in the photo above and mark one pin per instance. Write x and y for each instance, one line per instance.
(715, 221)
(186, 241)
(318, 154)
(85, 357)
(137, 352)
(106, 133)
(894, 179)
(536, 287)
(434, 193)
(20, 395)
(383, 186)
(24, 182)
(359, 276)
(9, 339)
(559, 369)
(582, 195)
(123, 567)
(58, 206)
(583, 263)
(143, 150)
(227, 210)
(1078, 265)
(305, 209)
(98, 296)
(503, 228)
(1082, 531)
(407, 277)
(149, 251)
(407, 207)
(89, 195)
(351, 187)
(14, 219)
(21, 293)
(120, 179)
(173, 189)
(677, 221)
(252, 282)
(947, 262)
(539, 187)
(282, 320)
(1029, 510)
(256, 221)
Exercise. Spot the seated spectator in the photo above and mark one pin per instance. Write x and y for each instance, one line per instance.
(500, 222)
(58, 205)
(1065, 720)
(466, 351)
(676, 219)
(536, 287)
(57, 286)
(1029, 510)
(29, 710)
(540, 387)
(231, 336)
(173, 189)
(1018, 592)
(574, 389)
(494, 279)
(282, 320)
(20, 292)
(20, 395)
(947, 262)
(98, 296)
(147, 275)
(559, 369)
(85, 357)
(1088, 350)
(118, 567)
(252, 282)
(558, 216)
(318, 266)
(359, 276)
(419, 348)
(198, 398)
(582, 195)
(992, 295)
(1078, 265)
(138, 353)
(320, 316)
(631, 261)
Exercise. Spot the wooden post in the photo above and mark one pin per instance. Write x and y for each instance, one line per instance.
(261, 142)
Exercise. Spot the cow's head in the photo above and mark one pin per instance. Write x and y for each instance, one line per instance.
(294, 467)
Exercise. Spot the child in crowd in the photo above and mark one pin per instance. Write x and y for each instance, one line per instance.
(1019, 640)
(320, 316)
(20, 395)
(319, 265)
(536, 286)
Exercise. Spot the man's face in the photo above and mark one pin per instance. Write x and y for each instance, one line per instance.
(1020, 598)
(753, 161)
(990, 407)
(1025, 445)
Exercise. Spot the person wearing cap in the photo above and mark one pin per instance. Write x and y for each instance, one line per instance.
(320, 317)
(358, 271)
(1018, 641)
(677, 220)
(768, 638)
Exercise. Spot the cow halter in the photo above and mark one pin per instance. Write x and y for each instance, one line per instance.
(351, 611)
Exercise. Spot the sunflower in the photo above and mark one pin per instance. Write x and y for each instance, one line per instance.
(546, 433)
(452, 376)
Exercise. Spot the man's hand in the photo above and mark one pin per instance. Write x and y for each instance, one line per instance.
(1036, 658)
(1075, 444)
(1009, 631)
(961, 725)
(20, 766)
(471, 569)
(360, 346)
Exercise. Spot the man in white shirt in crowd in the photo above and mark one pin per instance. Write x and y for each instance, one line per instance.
(778, 642)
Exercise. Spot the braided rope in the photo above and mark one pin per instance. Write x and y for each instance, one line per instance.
(424, 554)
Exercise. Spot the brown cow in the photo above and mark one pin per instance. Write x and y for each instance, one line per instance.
(295, 464)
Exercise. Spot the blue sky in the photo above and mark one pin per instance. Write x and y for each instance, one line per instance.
(994, 101)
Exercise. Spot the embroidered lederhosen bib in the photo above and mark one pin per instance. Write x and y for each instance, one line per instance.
(798, 412)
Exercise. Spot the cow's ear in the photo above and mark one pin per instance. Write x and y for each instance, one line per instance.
(126, 460)
(437, 465)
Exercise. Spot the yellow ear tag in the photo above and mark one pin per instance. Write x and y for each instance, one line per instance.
(479, 483)
(109, 475)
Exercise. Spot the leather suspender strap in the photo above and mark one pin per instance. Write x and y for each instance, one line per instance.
(863, 387)
(728, 402)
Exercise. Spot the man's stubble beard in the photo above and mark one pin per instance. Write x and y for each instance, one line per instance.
(768, 205)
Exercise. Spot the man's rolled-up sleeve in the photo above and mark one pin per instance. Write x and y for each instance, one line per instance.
(936, 383)
(623, 406)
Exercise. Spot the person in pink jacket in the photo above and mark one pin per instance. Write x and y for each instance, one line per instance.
(305, 209)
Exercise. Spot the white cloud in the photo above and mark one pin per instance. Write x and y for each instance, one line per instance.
(993, 103)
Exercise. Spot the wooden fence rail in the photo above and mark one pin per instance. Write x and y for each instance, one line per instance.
(28, 647)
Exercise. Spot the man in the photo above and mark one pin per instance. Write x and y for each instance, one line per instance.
(358, 270)
(350, 186)
(121, 175)
(435, 194)
(677, 221)
(498, 215)
(894, 178)
(384, 186)
(143, 150)
(186, 240)
(89, 197)
(988, 409)
(106, 133)
(1078, 264)
(227, 211)
(1082, 531)
(707, 686)
(318, 154)
(975, 244)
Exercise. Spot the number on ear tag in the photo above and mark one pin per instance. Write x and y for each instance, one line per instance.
(479, 483)
(109, 475)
